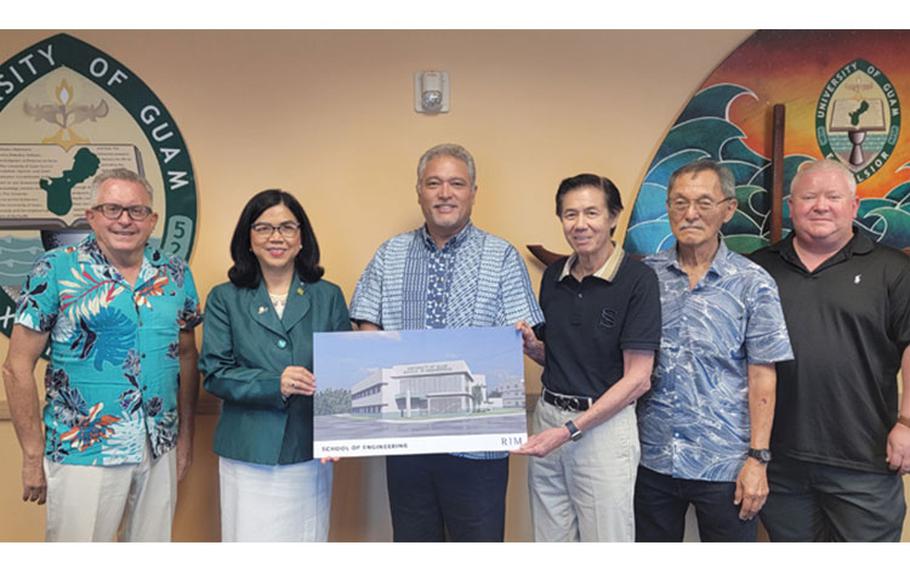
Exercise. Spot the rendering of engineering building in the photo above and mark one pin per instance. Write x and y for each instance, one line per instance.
(513, 394)
(423, 389)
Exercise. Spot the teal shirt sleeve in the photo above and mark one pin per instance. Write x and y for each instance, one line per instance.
(224, 376)
(39, 302)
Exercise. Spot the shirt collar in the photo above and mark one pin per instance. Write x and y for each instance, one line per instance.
(720, 265)
(858, 244)
(454, 242)
(606, 272)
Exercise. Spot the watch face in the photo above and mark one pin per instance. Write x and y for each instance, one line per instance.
(763, 456)
(574, 432)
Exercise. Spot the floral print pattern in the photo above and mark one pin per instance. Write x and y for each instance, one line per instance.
(113, 374)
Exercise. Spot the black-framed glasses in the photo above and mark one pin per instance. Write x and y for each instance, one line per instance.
(287, 230)
(113, 211)
(703, 205)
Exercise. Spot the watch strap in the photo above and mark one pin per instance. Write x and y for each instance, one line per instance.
(574, 433)
(763, 455)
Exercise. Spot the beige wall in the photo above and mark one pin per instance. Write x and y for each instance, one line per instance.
(329, 116)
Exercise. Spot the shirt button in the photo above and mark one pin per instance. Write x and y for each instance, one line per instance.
(282, 344)
(580, 295)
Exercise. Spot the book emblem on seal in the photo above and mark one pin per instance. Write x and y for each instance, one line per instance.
(858, 118)
(68, 111)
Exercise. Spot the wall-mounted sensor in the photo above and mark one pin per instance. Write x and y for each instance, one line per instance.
(431, 91)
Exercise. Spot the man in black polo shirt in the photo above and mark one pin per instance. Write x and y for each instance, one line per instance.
(838, 442)
(602, 312)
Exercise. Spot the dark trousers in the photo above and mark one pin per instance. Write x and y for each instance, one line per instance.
(435, 495)
(661, 502)
(816, 502)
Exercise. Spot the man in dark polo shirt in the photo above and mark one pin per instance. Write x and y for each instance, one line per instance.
(838, 441)
(602, 312)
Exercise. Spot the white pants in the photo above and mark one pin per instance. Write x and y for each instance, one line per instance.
(275, 503)
(91, 503)
(583, 491)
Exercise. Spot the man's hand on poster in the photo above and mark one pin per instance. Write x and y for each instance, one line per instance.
(533, 347)
(539, 445)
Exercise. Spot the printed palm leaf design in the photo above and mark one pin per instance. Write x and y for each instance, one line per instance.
(173, 350)
(131, 398)
(154, 287)
(57, 450)
(128, 444)
(176, 267)
(163, 429)
(91, 430)
(69, 406)
(155, 406)
(27, 298)
(190, 315)
(84, 338)
(108, 334)
(87, 293)
(42, 266)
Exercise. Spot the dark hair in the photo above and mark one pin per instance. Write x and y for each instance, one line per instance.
(246, 273)
(611, 193)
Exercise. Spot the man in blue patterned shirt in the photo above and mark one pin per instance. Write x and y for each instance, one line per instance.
(447, 273)
(121, 384)
(706, 423)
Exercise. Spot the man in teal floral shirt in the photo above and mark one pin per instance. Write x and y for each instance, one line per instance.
(121, 384)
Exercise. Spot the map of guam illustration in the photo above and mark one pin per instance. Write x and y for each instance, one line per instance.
(60, 189)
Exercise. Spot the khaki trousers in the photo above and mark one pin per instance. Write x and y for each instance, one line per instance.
(583, 491)
(94, 503)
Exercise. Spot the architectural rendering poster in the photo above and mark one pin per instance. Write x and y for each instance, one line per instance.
(418, 392)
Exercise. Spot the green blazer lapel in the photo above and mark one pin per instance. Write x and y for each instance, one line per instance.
(298, 304)
(262, 312)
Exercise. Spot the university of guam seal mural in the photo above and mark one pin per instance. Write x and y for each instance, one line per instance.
(68, 111)
(858, 118)
(842, 95)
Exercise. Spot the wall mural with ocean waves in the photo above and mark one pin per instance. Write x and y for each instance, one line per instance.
(842, 91)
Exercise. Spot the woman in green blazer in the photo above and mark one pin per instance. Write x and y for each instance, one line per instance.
(257, 356)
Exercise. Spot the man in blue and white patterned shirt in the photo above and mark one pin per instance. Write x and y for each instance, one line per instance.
(447, 273)
(705, 425)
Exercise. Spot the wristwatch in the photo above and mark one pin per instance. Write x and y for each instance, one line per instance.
(763, 456)
(574, 433)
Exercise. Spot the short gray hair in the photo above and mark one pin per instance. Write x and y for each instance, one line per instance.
(727, 181)
(826, 164)
(453, 151)
(121, 174)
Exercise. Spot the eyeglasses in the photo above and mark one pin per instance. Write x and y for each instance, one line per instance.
(113, 211)
(265, 230)
(703, 205)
